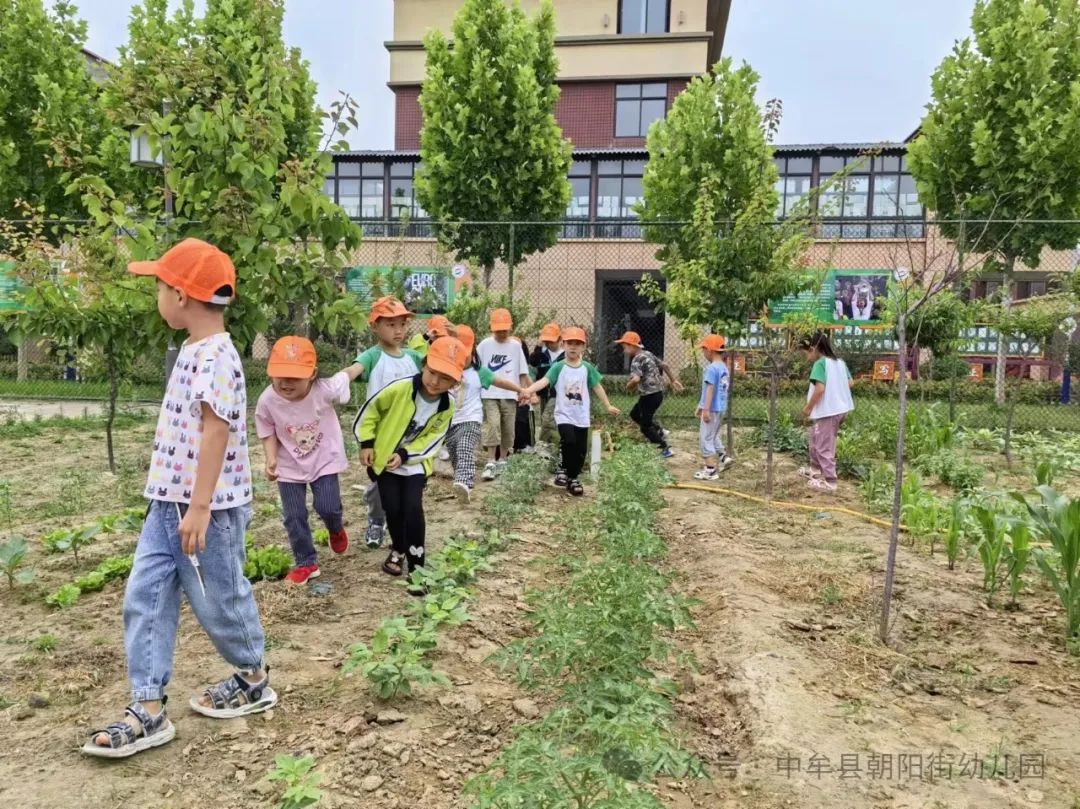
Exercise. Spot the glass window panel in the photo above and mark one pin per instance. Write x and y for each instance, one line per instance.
(349, 196)
(651, 111)
(634, 168)
(830, 165)
(633, 16)
(610, 167)
(886, 195)
(328, 187)
(858, 164)
(581, 168)
(909, 197)
(779, 163)
(348, 169)
(795, 189)
(779, 186)
(654, 91)
(627, 91)
(879, 230)
(800, 165)
(371, 169)
(401, 192)
(631, 194)
(401, 169)
(371, 203)
(579, 198)
(656, 20)
(831, 201)
(887, 164)
(627, 119)
(1036, 288)
(608, 197)
(856, 196)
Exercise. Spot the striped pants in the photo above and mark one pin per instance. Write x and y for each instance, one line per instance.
(461, 443)
(326, 497)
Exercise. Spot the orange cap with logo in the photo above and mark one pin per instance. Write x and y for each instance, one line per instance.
(631, 338)
(551, 333)
(574, 334)
(448, 356)
(439, 326)
(502, 320)
(466, 336)
(196, 268)
(387, 306)
(292, 358)
(714, 342)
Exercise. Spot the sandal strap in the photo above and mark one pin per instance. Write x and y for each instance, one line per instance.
(119, 733)
(149, 723)
(236, 691)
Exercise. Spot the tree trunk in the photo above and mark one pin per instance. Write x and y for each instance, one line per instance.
(114, 394)
(487, 278)
(1006, 305)
(774, 385)
(901, 435)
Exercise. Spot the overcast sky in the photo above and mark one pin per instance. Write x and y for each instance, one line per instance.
(847, 71)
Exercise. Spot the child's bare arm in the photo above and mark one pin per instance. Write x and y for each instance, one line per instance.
(815, 397)
(355, 371)
(215, 438)
(632, 383)
(601, 394)
(505, 384)
(270, 448)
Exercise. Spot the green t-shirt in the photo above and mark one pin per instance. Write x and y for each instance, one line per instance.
(819, 374)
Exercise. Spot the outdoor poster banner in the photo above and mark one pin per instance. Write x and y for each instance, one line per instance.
(427, 290)
(845, 298)
(9, 284)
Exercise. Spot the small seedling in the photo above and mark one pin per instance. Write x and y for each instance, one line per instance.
(45, 643)
(267, 563)
(6, 510)
(321, 537)
(63, 598)
(831, 595)
(12, 556)
(300, 782)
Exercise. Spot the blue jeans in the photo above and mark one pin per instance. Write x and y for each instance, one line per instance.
(161, 571)
(326, 498)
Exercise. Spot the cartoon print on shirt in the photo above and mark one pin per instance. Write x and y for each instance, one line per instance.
(306, 436)
(574, 392)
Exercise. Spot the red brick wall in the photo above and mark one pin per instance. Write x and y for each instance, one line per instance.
(586, 112)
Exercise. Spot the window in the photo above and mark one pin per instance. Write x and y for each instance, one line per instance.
(580, 206)
(794, 183)
(895, 197)
(618, 190)
(637, 106)
(402, 197)
(643, 16)
(849, 199)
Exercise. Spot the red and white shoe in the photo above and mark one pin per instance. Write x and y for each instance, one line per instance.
(339, 542)
(300, 575)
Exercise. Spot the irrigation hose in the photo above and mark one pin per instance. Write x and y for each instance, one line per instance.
(817, 509)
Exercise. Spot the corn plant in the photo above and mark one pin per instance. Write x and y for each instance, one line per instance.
(12, 558)
(1056, 519)
(1017, 555)
(955, 531)
(991, 545)
(300, 781)
(6, 511)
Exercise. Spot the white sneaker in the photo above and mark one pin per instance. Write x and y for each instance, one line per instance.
(444, 455)
(489, 472)
(463, 492)
(726, 462)
(707, 474)
(500, 467)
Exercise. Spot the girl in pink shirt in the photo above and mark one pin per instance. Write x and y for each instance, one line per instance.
(298, 425)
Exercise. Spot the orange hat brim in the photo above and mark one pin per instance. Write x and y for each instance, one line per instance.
(289, 370)
(442, 365)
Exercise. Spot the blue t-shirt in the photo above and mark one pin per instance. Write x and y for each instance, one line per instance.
(716, 374)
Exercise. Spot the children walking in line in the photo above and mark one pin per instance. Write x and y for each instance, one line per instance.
(647, 372)
(400, 430)
(711, 409)
(301, 434)
(464, 435)
(828, 401)
(382, 364)
(192, 540)
(572, 378)
(547, 352)
(506, 359)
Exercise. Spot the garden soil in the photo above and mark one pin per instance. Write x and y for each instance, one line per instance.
(794, 703)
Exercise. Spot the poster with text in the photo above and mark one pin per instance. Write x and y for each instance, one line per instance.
(845, 298)
(424, 290)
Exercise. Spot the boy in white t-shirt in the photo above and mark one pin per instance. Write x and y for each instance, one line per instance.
(505, 358)
(382, 364)
(573, 378)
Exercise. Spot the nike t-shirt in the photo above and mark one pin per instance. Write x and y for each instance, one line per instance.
(505, 360)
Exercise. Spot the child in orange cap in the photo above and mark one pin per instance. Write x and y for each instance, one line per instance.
(301, 434)
(506, 359)
(712, 407)
(400, 430)
(192, 539)
(382, 364)
(647, 373)
(572, 379)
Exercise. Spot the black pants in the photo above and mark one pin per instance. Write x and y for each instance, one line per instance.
(523, 428)
(575, 444)
(403, 501)
(644, 415)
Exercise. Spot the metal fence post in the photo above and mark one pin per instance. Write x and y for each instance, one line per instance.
(511, 263)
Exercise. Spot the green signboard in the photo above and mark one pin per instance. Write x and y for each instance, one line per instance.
(9, 284)
(425, 290)
(845, 298)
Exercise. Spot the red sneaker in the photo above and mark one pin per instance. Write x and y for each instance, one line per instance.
(339, 542)
(300, 575)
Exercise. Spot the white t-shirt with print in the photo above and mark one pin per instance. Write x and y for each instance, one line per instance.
(424, 411)
(207, 371)
(505, 360)
(380, 369)
(572, 386)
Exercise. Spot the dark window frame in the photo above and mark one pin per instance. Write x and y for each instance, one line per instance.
(667, 19)
(640, 100)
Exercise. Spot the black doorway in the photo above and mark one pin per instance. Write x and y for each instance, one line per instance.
(623, 308)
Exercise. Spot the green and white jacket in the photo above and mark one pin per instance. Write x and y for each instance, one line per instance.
(386, 418)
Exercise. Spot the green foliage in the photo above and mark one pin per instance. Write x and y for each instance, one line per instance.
(1017, 554)
(63, 540)
(1056, 519)
(7, 512)
(877, 486)
(115, 567)
(45, 643)
(787, 436)
(474, 304)
(396, 660)
(937, 324)
(321, 536)
(954, 470)
(999, 138)
(50, 114)
(267, 563)
(956, 531)
(301, 783)
(63, 598)
(1035, 319)
(991, 545)
(12, 557)
(488, 101)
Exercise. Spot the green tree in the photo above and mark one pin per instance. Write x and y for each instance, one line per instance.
(50, 115)
(491, 148)
(999, 138)
(241, 137)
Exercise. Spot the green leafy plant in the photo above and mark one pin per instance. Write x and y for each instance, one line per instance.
(45, 643)
(267, 563)
(1056, 519)
(63, 598)
(12, 557)
(877, 487)
(1017, 555)
(6, 511)
(991, 545)
(395, 662)
(301, 782)
(321, 536)
(955, 531)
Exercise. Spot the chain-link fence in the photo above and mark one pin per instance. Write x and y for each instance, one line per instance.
(590, 277)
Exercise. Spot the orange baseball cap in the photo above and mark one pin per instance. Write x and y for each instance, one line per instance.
(714, 342)
(388, 306)
(439, 326)
(502, 320)
(195, 267)
(575, 334)
(448, 356)
(551, 333)
(466, 336)
(292, 358)
(631, 338)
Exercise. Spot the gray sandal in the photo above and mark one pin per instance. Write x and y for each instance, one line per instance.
(236, 697)
(125, 741)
